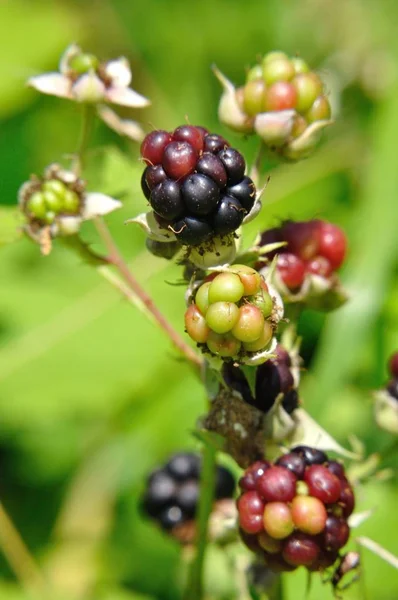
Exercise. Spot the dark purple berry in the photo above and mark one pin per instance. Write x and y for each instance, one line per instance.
(272, 379)
(336, 468)
(200, 193)
(166, 200)
(347, 499)
(154, 175)
(144, 186)
(336, 533)
(290, 401)
(225, 483)
(236, 379)
(277, 485)
(392, 388)
(229, 216)
(244, 191)
(301, 549)
(282, 356)
(312, 456)
(234, 164)
(187, 497)
(209, 164)
(162, 249)
(214, 143)
(190, 134)
(171, 517)
(179, 159)
(191, 231)
(184, 465)
(248, 481)
(294, 462)
(160, 492)
(153, 146)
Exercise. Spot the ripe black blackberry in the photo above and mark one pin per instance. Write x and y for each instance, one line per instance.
(172, 491)
(273, 377)
(195, 182)
(294, 512)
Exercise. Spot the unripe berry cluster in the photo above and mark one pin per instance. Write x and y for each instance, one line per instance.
(51, 197)
(172, 491)
(392, 386)
(232, 313)
(274, 377)
(195, 183)
(294, 512)
(313, 248)
(282, 83)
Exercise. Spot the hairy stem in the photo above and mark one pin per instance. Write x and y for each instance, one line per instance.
(18, 556)
(116, 259)
(194, 588)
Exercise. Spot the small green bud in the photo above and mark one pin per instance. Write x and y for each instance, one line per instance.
(202, 297)
(278, 69)
(83, 63)
(275, 55)
(49, 217)
(226, 287)
(299, 126)
(263, 341)
(71, 202)
(54, 185)
(36, 205)
(319, 111)
(308, 87)
(222, 316)
(255, 72)
(223, 344)
(253, 97)
(299, 65)
(250, 324)
(53, 201)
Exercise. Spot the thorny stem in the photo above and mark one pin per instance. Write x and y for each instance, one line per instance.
(18, 555)
(116, 259)
(194, 588)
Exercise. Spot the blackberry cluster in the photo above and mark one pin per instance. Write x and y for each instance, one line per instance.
(273, 377)
(195, 183)
(392, 386)
(313, 248)
(172, 491)
(231, 313)
(49, 198)
(294, 512)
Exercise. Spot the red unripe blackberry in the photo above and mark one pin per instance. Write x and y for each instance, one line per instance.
(393, 365)
(210, 165)
(200, 193)
(166, 200)
(336, 533)
(234, 164)
(202, 130)
(309, 514)
(153, 146)
(332, 243)
(249, 480)
(251, 510)
(196, 325)
(278, 520)
(300, 549)
(179, 159)
(323, 484)
(320, 266)
(277, 484)
(303, 238)
(214, 143)
(229, 216)
(347, 499)
(190, 134)
(294, 462)
(312, 456)
(281, 95)
(336, 468)
(291, 270)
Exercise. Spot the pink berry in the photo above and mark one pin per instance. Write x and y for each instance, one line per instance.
(309, 514)
(278, 522)
(153, 146)
(179, 159)
(332, 243)
(291, 270)
(300, 549)
(320, 266)
(393, 365)
(196, 325)
(190, 134)
(302, 237)
(277, 485)
(251, 510)
(281, 95)
(249, 479)
(322, 484)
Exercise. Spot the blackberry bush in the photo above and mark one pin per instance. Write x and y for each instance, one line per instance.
(294, 512)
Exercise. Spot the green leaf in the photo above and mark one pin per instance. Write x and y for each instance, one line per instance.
(250, 374)
(110, 171)
(210, 438)
(10, 224)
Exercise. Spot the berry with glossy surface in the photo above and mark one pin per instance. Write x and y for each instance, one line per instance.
(319, 111)
(196, 325)
(190, 134)
(187, 497)
(200, 193)
(264, 302)
(291, 270)
(171, 517)
(151, 177)
(277, 69)
(250, 278)
(162, 249)
(222, 316)
(224, 345)
(278, 520)
(249, 325)
(347, 499)
(253, 97)
(312, 456)
(160, 492)
(277, 485)
(303, 238)
(179, 159)
(248, 481)
(166, 200)
(210, 165)
(294, 462)
(229, 216)
(184, 465)
(153, 146)
(320, 266)
(280, 96)
(234, 164)
(309, 514)
(336, 533)
(336, 468)
(226, 287)
(202, 297)
(332, 243)
(263, 341)
(251, 510)
(214, 143)
(308, 87)
(36, 205)
(191, 231)
(300, 549)
(322, 484)
(244, 191)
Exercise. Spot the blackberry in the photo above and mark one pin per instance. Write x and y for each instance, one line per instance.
(292, 510)
(195, 183)
(172, 491)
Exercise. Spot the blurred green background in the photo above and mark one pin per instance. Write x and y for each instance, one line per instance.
(91, 395)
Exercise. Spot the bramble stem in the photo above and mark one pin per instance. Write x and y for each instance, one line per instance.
(116, 259)
(85, 132)
(194, 588)
(255, 171)
(18, 555)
